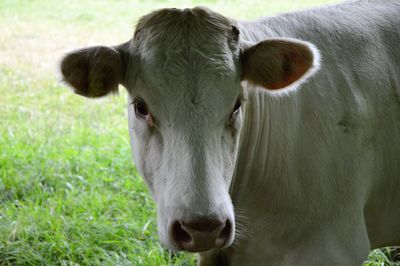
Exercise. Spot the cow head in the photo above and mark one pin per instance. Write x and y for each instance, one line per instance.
(183, 70)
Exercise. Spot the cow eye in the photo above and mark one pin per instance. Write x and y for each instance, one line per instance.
(141, 109)
(236, 108)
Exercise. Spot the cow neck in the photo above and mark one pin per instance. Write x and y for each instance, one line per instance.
(253, 143)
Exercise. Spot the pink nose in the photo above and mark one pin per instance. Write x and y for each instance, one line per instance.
(201, 234)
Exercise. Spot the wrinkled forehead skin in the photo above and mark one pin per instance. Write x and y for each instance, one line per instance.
(187, 53)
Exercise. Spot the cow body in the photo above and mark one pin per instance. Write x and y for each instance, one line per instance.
(304, 171)
(318, 173)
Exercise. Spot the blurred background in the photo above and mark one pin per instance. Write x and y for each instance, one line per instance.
(69, 192)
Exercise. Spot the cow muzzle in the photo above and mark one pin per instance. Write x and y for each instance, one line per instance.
(201, 234)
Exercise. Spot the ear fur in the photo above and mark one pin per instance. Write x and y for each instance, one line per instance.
(94, 71)
(278, 63)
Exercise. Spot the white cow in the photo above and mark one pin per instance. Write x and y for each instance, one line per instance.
(224, 111)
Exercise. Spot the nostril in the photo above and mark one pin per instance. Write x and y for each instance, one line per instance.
(201, 234)
(226, 232)
(179, 234)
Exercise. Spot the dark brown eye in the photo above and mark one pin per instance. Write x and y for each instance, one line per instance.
(236, 108)
(141, 109)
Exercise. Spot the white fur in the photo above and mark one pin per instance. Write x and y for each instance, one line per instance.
(317, 171)
(323, 159)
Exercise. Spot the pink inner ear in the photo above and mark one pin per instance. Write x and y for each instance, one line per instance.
(276, 64)
(295, 65)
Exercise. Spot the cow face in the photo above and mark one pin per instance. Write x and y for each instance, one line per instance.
(183, 71)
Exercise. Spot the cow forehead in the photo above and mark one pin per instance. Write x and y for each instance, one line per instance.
(190, 90)
(191, 72)
(188, 56)
(178, 40)
(176, 25)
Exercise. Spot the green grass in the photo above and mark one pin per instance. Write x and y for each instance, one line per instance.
(69, 192)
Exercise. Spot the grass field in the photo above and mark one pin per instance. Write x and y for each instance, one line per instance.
(69, 192)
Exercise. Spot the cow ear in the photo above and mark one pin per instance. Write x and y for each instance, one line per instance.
(95, 71)
(277, 63)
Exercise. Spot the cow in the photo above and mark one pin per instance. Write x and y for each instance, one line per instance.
(266, 142)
